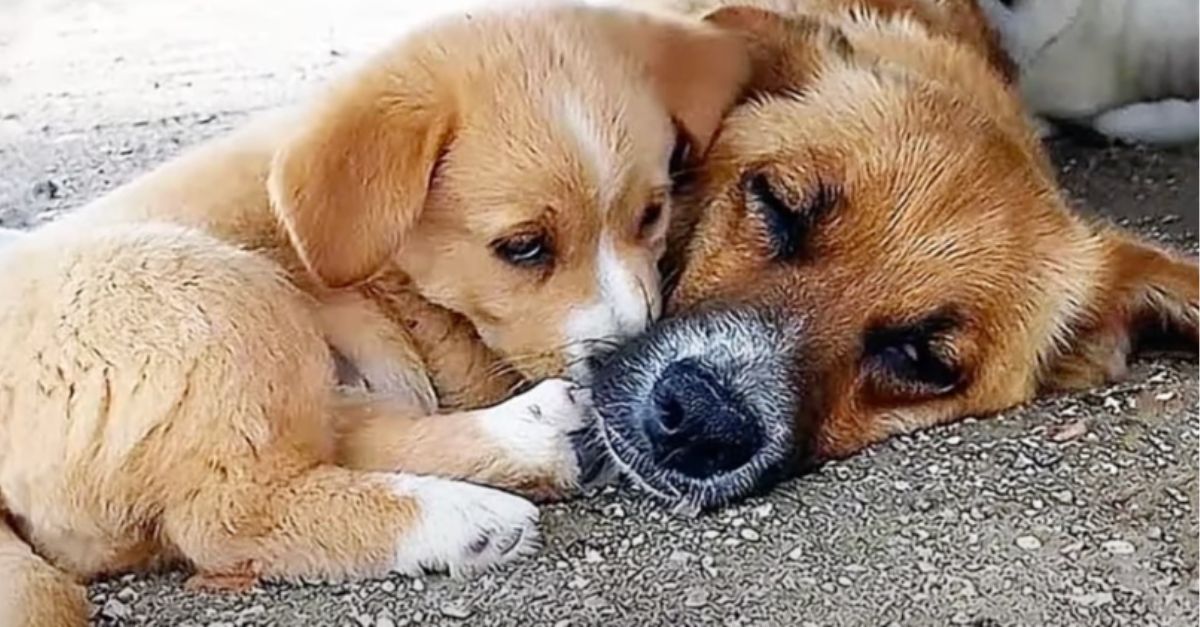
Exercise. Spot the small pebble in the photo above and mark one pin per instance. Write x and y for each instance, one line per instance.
(750, 535)
(764, 511)
(115, 609)
(1069, 431)
(681, 557)
(1029, 543)
(1071, 548)
(1118, 547)
(595, 603)
(1095, 599)
(457, 610)
(796, 553)
(696, 597)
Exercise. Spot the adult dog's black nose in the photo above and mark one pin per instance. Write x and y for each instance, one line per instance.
(697, 425)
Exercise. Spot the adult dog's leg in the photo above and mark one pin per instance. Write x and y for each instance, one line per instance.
(35, 593)
(522, 444)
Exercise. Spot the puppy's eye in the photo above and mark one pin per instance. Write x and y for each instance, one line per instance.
(651, 216)
(788, 225)
(913, 356)
(525, 250)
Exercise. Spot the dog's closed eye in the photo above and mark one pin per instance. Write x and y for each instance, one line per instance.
(788, 224)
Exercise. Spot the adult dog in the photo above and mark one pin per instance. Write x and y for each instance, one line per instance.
(875, 244)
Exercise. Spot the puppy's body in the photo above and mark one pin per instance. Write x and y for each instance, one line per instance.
(481, 204)
(1127, 68)
(875, 244)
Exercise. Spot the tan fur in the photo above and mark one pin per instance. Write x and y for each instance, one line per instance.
(945, 202)
(168, 390)
(36, 594)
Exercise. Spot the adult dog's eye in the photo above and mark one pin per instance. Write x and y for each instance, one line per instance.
(913, 356)
(788, 225)
(525, 250)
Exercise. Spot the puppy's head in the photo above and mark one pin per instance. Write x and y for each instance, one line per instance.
(515, 166)
(875, 244)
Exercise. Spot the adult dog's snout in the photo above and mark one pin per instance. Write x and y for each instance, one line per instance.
(697, 425)
(700, 410)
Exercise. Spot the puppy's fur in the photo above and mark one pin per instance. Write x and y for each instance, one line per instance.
(167, 391)
(875, 244)
(1126, 68)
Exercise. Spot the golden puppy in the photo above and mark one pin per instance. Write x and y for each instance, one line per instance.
(492, 190)
(875, 244)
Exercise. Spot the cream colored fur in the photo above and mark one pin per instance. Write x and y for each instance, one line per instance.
(168, 389)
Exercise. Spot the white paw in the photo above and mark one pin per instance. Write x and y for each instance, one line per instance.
(461, 528)
(534, 428)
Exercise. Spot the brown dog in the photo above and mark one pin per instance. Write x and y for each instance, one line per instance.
(876, 244)
(483, 203)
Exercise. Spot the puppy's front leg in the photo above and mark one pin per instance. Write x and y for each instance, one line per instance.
(382, 352)
(522, 445)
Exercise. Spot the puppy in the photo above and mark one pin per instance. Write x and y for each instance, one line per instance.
(496, 184)
(1125, 68)
(875, 244)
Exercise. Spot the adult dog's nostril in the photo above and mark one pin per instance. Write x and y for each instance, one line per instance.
(670, 415)
(699, 427)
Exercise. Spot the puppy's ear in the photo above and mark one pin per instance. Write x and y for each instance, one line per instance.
(786, 52)
(352, 182)
(698, 72)
(1146, 297)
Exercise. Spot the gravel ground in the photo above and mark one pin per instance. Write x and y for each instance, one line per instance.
(1078, 510)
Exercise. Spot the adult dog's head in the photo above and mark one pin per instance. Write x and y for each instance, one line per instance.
(876, 244)
(514, 165)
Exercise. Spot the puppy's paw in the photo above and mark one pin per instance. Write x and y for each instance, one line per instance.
(461, 528)
(534, 431)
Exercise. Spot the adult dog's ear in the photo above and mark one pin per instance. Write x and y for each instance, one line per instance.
(697, 71)
(1145, 296)
(786, 52)
(352, 181)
